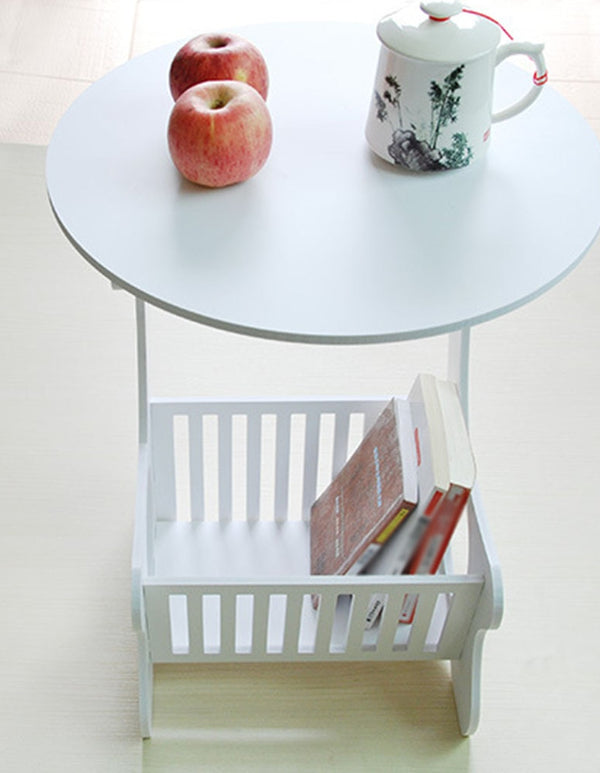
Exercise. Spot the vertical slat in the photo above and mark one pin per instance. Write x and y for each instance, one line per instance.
(389, 623)
(356, 629)
(292, 624)
(163, 463)
(325, 623)
(182, 465)
(239, 463)
(228, 621)
(196, 436)
(340, 442)
(371, 412)
(225, 466)
(196, 627)
(422, 621)
(260, 619)
(282, 464)
(311, 461)
(253, 466)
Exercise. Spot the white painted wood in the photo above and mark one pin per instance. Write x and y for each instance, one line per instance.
(420, 626)
(279, 610)
(482, 259)
(253, 467)
(293, 623)
(340, 443)
(226, 549)
(282, 461)
(142, 563)
(163, 459)
(228, 589)
(196, 467)
(466, 670)
(276, 716)
(225, 467)
(399, 255)
(311, 460)
(228, 621)
(142, 370)
(458, 364)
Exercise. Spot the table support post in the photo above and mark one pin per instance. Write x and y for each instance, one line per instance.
(458, 364)
(142, 370)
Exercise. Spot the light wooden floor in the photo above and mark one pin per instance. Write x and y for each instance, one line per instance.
(67, 454)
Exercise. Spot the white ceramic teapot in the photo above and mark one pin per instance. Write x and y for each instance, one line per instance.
(432, 102)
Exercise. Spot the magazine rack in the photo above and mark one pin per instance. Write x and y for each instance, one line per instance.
(221, 550)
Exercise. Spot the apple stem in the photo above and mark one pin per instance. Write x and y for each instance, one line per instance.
(218, 42)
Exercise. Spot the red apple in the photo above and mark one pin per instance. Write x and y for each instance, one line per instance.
(219, 133)
(218, 57)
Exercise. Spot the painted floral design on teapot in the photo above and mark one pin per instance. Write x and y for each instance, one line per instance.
(422, 152)
(431, 107)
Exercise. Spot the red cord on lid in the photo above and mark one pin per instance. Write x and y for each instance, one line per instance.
(489, 18)
(538, 78)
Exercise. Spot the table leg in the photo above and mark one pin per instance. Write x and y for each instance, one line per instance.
(458, 364)
(458, 372)
(142, 370)
(139, 568)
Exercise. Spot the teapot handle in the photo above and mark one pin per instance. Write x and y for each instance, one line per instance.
(534, 52)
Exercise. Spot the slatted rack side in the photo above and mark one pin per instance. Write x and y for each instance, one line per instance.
(289, 448)
(277, 620)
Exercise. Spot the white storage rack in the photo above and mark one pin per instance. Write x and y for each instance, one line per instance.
(221, 569)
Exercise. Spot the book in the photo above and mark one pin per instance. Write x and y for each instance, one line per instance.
(433, 480)
(368, 499)
(447, 512)
(446, 474)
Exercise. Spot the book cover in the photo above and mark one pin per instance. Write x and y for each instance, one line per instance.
(369, 498)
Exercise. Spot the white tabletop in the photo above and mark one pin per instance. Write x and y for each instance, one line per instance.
(327, 243)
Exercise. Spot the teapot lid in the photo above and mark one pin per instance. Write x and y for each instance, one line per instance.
(439, 31)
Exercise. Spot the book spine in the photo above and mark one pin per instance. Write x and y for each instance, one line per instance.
(433, 545)
(429, 555)
(401, 549)
(369, 553)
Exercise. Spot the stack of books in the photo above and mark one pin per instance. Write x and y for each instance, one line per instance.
(393, 507)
